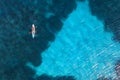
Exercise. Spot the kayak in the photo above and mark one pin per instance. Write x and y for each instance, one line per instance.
(33, 31)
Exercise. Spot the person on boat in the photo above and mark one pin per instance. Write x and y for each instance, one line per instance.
(33, 32)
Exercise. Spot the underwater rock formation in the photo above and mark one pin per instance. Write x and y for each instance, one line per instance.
(46, 77)
(117, 71)
(117, 68)
(108, 11)
(19, 72)
(16, 44)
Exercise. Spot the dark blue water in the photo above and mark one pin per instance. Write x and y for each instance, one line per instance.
(75, 40)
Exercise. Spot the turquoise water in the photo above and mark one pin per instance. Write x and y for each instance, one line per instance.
(81, 49)
(74, 40)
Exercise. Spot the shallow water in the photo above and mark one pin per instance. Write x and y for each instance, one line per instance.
(81, 49)
(75, 40)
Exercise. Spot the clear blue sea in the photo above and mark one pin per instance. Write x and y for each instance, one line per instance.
(82, 48)
(74, 40)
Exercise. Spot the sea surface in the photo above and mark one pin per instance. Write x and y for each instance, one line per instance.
(81, 49)
(73, 41)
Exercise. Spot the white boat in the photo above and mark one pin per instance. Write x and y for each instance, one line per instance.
(33, 31)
